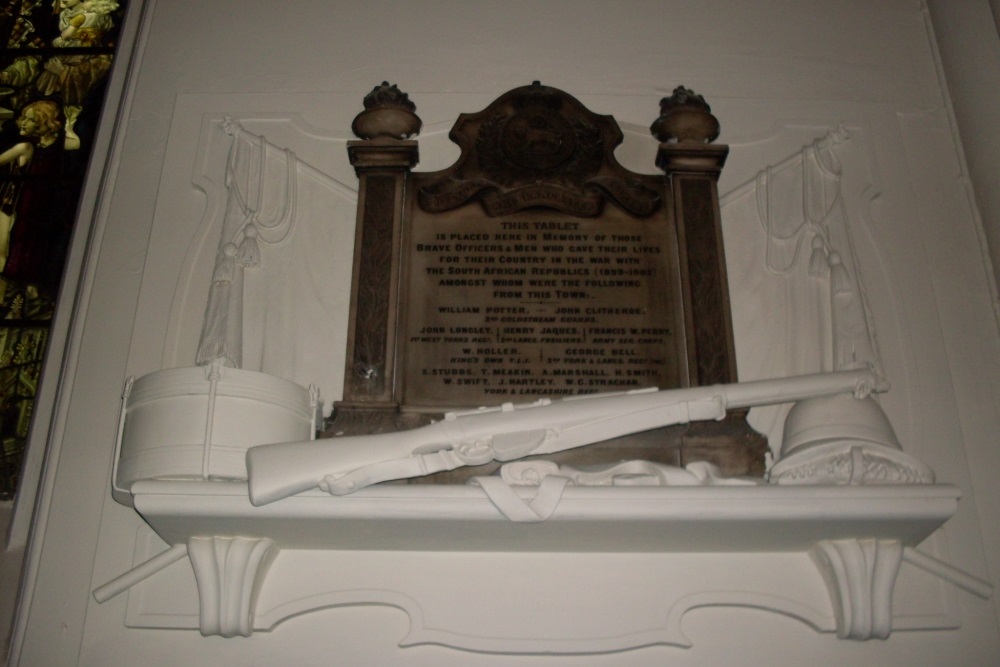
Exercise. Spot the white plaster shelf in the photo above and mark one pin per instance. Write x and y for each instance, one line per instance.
(857, 537)
(625, 519)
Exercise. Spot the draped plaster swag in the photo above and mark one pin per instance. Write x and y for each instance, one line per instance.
(283, 221)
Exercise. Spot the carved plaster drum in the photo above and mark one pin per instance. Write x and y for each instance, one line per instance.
(197, 423)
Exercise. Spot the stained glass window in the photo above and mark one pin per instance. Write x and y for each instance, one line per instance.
(53, 71)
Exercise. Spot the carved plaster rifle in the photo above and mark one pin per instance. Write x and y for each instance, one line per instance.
(508, 432)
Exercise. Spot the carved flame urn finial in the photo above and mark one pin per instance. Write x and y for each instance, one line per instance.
(388, 114)
(685, 117)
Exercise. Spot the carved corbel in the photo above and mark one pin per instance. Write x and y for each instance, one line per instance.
(860, 576)
(229, 572)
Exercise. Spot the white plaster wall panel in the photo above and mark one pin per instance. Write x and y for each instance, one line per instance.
(381, 627)
(701, 38)
(313, 638)
(970, 56)
(772, 52)
(971, 346)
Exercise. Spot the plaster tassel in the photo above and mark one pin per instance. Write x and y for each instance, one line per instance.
(840, 282)
(225, 265)
(213, 344)
(249, 251)
(817, 260)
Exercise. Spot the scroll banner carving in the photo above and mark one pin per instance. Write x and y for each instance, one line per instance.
(538, 147)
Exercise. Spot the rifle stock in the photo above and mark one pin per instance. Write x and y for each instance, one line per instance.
(508, 432)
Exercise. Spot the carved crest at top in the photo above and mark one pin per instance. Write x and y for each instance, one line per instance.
(534, 140)
(537, 146)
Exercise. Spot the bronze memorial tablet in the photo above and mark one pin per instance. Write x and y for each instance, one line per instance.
(537, 266)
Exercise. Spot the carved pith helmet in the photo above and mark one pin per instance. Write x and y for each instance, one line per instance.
(838, 418)
(841, 439)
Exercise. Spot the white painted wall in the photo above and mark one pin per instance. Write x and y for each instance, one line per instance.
(967, 33)
(779, 73)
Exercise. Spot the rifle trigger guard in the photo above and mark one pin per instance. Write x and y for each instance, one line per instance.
(514, 445)
(475, 452)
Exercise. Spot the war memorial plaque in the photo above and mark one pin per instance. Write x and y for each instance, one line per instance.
(531, 305)
(537, 267)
